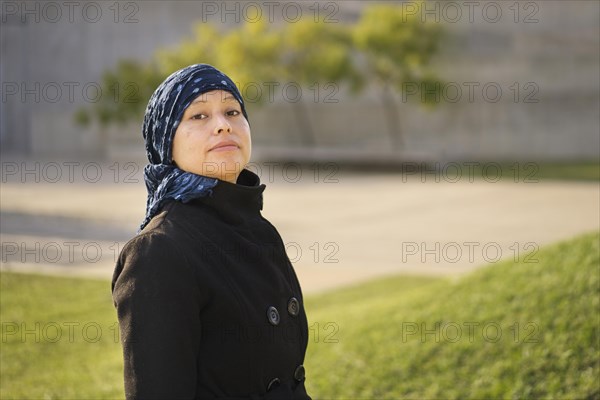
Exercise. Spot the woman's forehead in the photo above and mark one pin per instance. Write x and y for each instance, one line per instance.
(221, 95)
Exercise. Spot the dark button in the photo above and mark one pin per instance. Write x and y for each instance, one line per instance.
(274, 382)
(273, 315)
(299, 373)
(294, 307)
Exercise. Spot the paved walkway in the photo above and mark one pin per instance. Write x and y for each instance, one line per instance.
(337, 233)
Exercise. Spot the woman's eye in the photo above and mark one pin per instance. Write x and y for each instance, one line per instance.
(198, 116)
(233, 113)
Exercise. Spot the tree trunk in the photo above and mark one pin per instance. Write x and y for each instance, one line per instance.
(303, 121)
(392, 118)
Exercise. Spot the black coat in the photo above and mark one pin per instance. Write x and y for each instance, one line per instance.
(209, 305)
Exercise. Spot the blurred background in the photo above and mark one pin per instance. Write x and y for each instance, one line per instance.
(414, 141)
(518, 81)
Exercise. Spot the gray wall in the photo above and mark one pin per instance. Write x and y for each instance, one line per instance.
(557, 56)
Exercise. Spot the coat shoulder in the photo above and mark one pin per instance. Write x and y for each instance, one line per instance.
(152, 252)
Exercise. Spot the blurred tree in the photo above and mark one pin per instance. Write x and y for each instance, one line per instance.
(204, 45)
(316, 55)
(252, 58)
(125, 93)
(386, 46)
(395, 48)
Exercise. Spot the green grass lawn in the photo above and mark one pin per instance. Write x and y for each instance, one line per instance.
(511, 330)
(72, 352)
(520, 172)
(584, 171)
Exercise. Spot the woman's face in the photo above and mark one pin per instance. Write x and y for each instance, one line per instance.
(213, 137)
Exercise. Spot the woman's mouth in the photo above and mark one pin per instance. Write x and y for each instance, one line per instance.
(225, 148)
(227, 145)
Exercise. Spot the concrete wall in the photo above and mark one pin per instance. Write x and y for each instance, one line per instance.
(554, 61)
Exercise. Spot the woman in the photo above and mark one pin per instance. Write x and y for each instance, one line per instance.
(208, 303)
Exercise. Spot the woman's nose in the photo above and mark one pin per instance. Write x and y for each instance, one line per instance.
(222, 125)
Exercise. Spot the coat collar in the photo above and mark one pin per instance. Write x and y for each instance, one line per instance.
(236, 200)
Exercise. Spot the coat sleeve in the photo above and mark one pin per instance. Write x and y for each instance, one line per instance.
(157, 299)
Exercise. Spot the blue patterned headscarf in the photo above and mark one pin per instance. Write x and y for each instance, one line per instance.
(163, 114)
